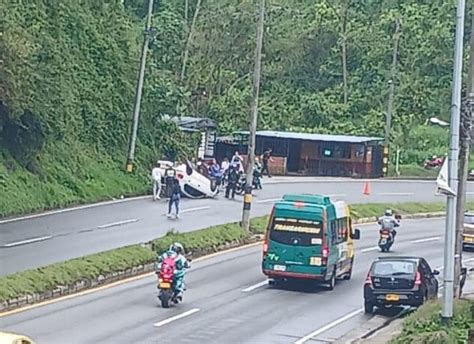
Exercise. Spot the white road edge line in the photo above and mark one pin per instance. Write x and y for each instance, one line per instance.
(67, 210)
(194, 209)
(395, 194)
(426, 240)
(118, 223)
(255, 286)
(329, 326)
(177, 317)
(268, 200)
(370, 249)
(28, 241)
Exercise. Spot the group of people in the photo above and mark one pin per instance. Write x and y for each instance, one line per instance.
(228, 174)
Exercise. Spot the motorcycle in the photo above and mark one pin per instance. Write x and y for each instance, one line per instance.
(166, 286)
(386, 238)
(241, 185)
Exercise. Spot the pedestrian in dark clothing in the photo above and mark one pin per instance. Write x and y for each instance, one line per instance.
(174, 199)
(266, 158)
(233, 178)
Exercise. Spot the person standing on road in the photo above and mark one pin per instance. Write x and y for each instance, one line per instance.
(257, 173)
(174, 199)
(266, 158)
(225, 170)
(156, 177)
(233, 178)
(238, 160)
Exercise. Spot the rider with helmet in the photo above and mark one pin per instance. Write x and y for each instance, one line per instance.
(388, 221)
(175, 251)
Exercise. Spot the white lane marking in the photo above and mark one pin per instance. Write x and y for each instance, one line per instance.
(370, 249)
(426, 240)
(66, 210)
(255, 286)
(177, 317)
(194, 209)
(337, 195)
(28, 241)
(118, 223)
(268, 200)
(395, 194)
(329, 326)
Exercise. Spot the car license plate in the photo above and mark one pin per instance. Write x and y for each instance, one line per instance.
(279, 267)
(392, 297)
(165, 285)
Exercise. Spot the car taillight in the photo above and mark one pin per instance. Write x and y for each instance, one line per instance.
(368, 280)
(265, 247)
(325, 254)
(418, 279)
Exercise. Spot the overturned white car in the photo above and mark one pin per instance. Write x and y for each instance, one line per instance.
(192, 183)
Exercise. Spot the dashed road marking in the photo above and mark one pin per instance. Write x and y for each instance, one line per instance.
(28, 241)
(118, 223)
(177, 317)
(255, 286)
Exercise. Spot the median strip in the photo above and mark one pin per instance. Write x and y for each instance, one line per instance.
(92, 271)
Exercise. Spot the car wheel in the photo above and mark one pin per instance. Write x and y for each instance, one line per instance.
(368, 308)
(332, 282)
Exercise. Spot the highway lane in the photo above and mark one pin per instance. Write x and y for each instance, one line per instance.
(40, 240)
(225, 302)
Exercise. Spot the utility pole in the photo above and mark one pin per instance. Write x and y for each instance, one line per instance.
(391, 83)
(138, 95)
(465, 132)
(448, 291)
(253, 119)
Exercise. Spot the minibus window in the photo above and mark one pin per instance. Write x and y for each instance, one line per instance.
(291, 231)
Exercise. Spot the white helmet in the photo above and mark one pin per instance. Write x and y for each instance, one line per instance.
(177, 247)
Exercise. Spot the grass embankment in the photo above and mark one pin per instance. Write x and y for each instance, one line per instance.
(424, 326)
(198, 242)
(61, 181)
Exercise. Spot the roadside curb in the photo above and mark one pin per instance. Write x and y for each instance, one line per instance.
(110, 278)
(142, 270)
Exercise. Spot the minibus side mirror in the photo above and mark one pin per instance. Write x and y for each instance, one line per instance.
(355, 234)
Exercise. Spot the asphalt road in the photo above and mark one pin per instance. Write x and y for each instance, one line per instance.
(34, 241)
(227, 301)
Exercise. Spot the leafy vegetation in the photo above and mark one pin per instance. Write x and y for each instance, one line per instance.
(197, 243)
(424, 326)
(70, 67)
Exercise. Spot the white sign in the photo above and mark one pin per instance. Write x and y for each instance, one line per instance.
(442, 181)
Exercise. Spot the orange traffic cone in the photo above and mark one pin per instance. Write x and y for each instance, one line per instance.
(366, 189)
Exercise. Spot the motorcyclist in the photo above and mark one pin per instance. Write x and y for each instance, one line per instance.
(175, 251)
(388, 221)
(233, 178)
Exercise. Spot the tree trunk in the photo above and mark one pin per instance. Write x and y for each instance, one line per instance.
(189, 40)
(344, 51)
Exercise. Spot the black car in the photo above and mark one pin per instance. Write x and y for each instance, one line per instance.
(404, 281)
